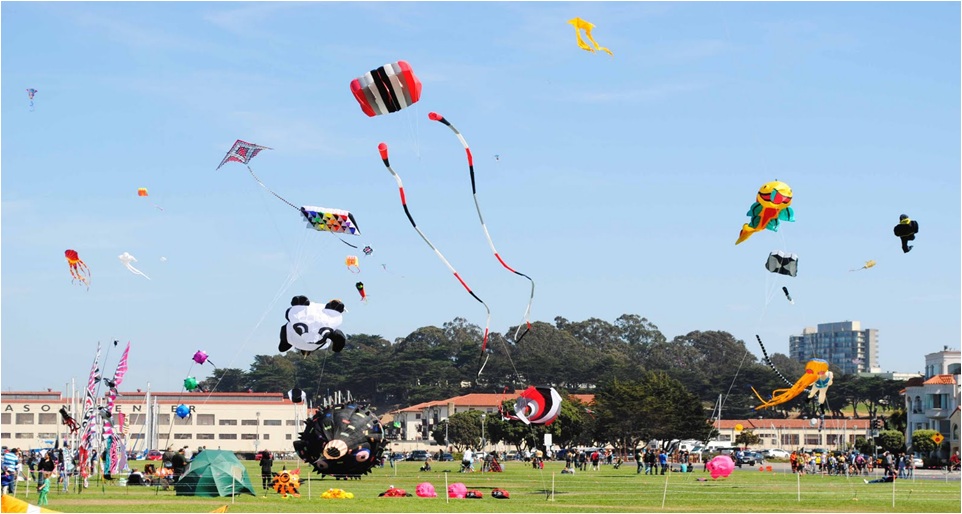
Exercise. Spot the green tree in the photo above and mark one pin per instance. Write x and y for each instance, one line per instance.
(922, 441)
(226, 380)
(464, 430)
(891, 441)
(747, 438)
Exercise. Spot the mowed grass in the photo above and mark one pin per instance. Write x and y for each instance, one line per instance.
(608, 490)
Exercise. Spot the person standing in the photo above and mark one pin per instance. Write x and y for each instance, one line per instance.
(179, 464)
(43, 487)
(663, 461)
(267, 473)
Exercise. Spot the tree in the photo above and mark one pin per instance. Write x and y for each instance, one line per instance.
(226, 380)
(464, 429)
(747, 438)
(891, 441)
(922, 441)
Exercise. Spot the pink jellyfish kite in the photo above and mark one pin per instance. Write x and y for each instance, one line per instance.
(201, 357)
(721, 466)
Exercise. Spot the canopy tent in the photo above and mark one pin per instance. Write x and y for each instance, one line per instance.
(215, 473)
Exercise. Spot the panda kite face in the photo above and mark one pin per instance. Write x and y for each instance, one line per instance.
(312, 326)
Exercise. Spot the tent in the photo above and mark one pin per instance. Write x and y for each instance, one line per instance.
(214, 473)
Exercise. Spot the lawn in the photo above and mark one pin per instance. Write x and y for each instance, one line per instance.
(608, 490)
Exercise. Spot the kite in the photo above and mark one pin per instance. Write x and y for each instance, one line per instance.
(142, 191)
(720, 467)
(296, 395)
(580, 25)
(30, 92)
(394, 492)
(787, 295)
(816, 375)
(335, 221)
(342, 440)
(182, 411)
(868, 264)
(382, 149)
(351, 262)
(200, 357)
(771, 206)
(311, 326)
(337, 494)
(287, 483)
(474, 192)
(536, 405)
(360, 289)
(242, 152)
(782, 263)
(387, 89)
(906, 230)
(68, 420)
(126, 259)
(190, 384)
(368, 250)
(78, 268)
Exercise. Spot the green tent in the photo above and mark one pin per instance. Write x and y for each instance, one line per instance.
(214, 473)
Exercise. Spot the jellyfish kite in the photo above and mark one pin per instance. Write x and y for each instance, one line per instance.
(772, 205)
(78, 268)
(360, 289)
(580, 25)
(387, 89)
(351, 262)
(200, 357)
(906, 230)
(341, 440)
(126, 259)
(536, 405)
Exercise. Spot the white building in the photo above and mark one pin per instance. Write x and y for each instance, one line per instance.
(843, 344)
(933, 401)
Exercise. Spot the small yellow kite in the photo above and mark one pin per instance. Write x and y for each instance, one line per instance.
(868, 264)
(580, 25)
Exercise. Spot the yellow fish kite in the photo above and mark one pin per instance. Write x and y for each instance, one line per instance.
(868, 264)
(586, 26)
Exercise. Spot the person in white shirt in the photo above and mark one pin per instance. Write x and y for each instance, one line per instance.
(467, 461)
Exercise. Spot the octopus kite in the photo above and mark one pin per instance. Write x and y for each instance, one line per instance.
(771, 206)
(816, 375)
(78, 269)
(580, 25)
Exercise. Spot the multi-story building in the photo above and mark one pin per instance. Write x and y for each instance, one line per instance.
(240, 422)
(844, 345)
(932, 401)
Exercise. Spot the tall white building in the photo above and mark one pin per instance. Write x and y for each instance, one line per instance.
(843, 344)
(932, 402)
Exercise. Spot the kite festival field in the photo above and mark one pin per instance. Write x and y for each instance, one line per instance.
(607, 490)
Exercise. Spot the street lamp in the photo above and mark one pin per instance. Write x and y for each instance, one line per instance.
(483, 415)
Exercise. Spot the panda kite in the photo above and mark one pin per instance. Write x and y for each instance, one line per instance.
(312, 326)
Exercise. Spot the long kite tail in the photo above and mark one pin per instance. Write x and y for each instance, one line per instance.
(769, 362)
(382, 148)
(474, 192)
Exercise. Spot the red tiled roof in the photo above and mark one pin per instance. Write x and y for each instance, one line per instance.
(941, 380)
(759, 424)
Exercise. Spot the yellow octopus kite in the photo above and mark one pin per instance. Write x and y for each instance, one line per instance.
(580, 25)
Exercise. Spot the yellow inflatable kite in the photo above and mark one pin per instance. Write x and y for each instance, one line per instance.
(580, 25)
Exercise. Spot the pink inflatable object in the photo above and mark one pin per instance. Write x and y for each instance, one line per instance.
(721, 466)
(426, 490)
(457, 490)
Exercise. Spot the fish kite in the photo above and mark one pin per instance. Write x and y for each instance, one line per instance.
(782, 263)
(474, 192)
(868, 264)
(788, 296)
(771, 206)
(906, 230)
(351, 262)
(360, 289)
(30, 92)
(382, 149)
(78, 268)
(536, 405)
(387, 89)
(126, 259)
(580, 25)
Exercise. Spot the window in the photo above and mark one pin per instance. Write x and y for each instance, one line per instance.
(287, 437)
(25, 419)
(4, 435)
(205, 436)
(163, 436)
(813, 439)
(266, 436)
(136, 419)
(24, 435)
(248, 437)
(248, 422)
(48, 418)
(290, 422)
(47, 435)
(230, 422)
(832, 439)
(163, 420)
(136, 436)
(227, 436)
(189, 420)
(272, 422)
(205, 420)
(183, 436)
(789, 439)
(5, 418)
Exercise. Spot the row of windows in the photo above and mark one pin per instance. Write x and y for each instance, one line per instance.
(30, 418)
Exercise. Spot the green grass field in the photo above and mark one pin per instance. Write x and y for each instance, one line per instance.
(608, 490)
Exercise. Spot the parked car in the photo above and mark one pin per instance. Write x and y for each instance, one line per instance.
(776, 453)
(447, 457)
(759, 457)
(155, 455)
(917, 462)
(420, 455)
(744, 458)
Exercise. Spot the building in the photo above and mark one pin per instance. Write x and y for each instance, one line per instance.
(844, 345)
(932, 402)
(418, 421)
(796, 434)
(240, 422)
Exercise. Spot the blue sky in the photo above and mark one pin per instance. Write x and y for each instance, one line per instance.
(621, 185)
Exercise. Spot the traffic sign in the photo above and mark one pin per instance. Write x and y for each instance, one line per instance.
(938, 438)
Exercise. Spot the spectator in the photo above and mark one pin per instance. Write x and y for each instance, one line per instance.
(10, 463)
(43, 487)
(467, 461)
(663, 461)
(136, 478)
(178, 464)
(267, 473)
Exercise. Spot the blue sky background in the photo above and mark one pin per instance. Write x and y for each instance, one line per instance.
(621, 185)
